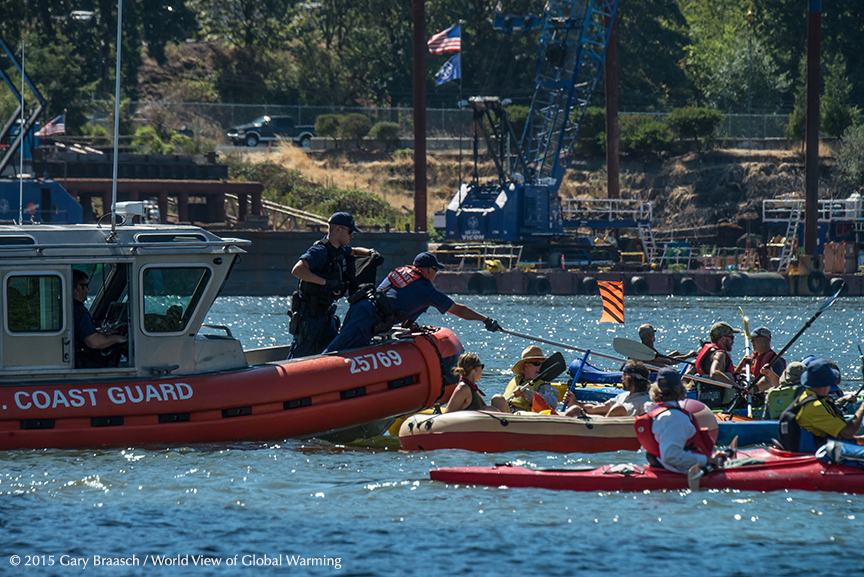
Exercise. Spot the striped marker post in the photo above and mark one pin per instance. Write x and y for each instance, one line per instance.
(612, 293)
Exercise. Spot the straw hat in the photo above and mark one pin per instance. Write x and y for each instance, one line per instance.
(532, 353)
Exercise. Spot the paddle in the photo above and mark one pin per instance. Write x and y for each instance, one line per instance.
(846, 400)
(640, 351)
(551, 368)
(562, 345)
(746, 322)
(821, 310)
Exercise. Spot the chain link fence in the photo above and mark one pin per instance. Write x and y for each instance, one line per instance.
(212, 120)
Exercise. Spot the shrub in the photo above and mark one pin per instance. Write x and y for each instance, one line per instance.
(591, 140)
(328, 125)
(386, 132)
(642, 134)
(694, 123)
(850, 155)
(148, 142)
(517, 115)
(354, 127)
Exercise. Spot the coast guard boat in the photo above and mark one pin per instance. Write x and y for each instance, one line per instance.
(176, 380)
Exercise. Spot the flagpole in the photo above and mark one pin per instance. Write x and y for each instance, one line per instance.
(116, 118)
(459, 107)
(21, 145)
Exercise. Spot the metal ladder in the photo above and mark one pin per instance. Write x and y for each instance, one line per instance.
(648, 245)
(791, 237)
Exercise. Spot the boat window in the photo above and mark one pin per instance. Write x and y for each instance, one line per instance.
(34, 303)
(171, 295)
(186, 237)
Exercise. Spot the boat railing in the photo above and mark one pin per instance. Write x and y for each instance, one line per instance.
(781, 210)
(612, 209)
(475, 256)
(39, 248)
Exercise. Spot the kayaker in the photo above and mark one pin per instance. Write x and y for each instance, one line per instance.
(670, 434)
(630, 403)
(324, 273)
(762, 356)
(647, 335)
(467, 396)
(814, 418)
(526, 370)
(89, 343)
(403, 296)
(783, 388)
(715, 362)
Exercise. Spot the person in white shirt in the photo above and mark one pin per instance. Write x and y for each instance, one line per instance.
(631, 402)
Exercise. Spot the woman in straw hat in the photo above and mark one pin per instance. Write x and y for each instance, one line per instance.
(526, 370)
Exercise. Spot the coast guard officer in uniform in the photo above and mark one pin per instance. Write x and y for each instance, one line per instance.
(324, 274)
(404, 295)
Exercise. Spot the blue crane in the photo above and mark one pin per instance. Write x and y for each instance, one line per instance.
(523, 202)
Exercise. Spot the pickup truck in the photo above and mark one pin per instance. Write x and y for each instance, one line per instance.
(267, 128)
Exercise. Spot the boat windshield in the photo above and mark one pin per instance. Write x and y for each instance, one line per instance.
(171, 295)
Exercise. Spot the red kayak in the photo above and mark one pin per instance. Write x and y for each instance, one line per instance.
(763, 470)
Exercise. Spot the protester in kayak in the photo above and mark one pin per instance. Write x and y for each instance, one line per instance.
(630, 403)
(671, 434)
(715, 362)
(647, 335)
(404, 295)
(814, 418)
(526, 370)
(762, 356)
(783, 388)
(467, 396)
(323, 273)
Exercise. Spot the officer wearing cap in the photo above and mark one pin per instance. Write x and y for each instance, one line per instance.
(761, 361)
(404, 295)
(814, 418)
(324, 273)
(715, 362)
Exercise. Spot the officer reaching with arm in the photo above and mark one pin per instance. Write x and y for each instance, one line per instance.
(324, 273)
(404, 295)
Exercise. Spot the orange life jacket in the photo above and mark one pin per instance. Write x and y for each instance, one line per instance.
(701, 442)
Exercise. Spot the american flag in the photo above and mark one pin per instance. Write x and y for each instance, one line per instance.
(56, 126)
(449, 40)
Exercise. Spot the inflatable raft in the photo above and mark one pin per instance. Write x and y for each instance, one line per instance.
(489, 432)
(760, 470)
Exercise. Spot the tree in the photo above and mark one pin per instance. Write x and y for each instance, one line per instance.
(850, 155)
(354, 127)
(328, 125)
(837, 115)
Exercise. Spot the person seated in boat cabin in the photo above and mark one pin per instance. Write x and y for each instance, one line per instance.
(630, 403)
(467, 396)
(526, 370)
(403, 296)
(324, 274)
(88, 341)
(669, 433)
(647, 335)
(814, 418)
(762, 356)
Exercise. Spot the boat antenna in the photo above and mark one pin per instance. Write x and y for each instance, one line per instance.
(116, 121)
(21, 143)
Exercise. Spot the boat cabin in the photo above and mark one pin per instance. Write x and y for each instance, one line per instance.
(152, 283)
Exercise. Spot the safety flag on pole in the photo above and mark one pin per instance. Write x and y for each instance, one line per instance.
(612, 293)
(449, 40)
(450, 71)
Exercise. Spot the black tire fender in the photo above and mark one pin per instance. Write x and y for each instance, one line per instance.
(816, 282)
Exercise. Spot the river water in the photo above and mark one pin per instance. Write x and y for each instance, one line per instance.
(308, 507)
